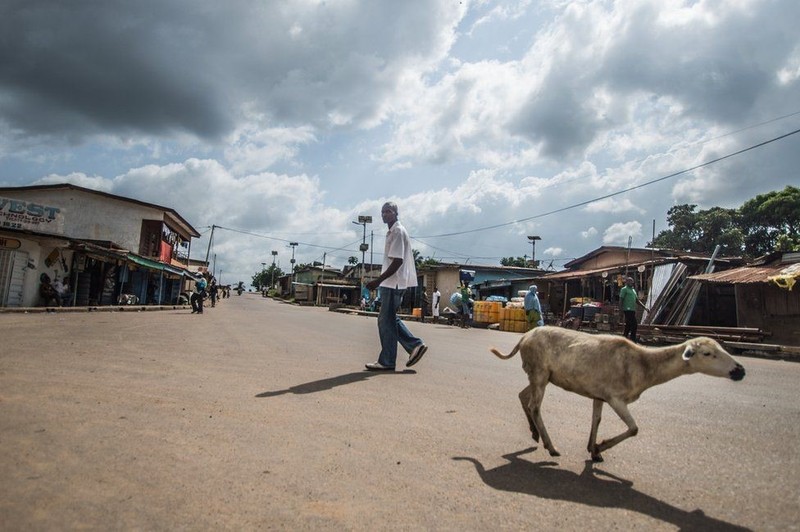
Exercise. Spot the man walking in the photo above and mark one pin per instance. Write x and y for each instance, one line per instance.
(397, 274)
(198, 295)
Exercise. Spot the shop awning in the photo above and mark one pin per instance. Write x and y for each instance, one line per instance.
(158, 266)
(147, 263)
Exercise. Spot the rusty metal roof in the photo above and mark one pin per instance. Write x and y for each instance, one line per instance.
(744, 275)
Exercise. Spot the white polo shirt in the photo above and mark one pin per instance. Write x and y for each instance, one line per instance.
(398, 246)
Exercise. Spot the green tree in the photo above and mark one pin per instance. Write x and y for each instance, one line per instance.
(701, 231)
(429, 261)
(682, 221)
(417, 257)
(771, 222)
(352, 260)
(719, 227)
(265, 277)
(521, 262)
(764, 224)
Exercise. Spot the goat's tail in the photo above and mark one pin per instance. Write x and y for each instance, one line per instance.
(513, 352)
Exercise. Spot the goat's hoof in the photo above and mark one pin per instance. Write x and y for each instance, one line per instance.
(553, 452)
(535, 437)
(597, 458)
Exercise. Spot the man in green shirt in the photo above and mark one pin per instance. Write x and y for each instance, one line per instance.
(628, 299)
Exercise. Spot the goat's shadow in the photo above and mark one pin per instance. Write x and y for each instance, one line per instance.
(332, 382)
(547, 481)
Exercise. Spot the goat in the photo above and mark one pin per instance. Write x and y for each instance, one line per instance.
(607, 369)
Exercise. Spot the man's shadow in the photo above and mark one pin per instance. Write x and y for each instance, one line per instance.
(332, 382)
(545, 480)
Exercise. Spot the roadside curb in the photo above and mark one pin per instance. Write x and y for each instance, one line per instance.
(108, 308)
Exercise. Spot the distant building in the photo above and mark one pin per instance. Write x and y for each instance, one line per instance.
(764, 294)
(103, 245)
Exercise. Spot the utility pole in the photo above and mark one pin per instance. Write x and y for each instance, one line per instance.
(210, 240)
(363, 221)
(294, 245)
(272, 283)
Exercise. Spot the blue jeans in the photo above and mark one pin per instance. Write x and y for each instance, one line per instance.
(391, 329)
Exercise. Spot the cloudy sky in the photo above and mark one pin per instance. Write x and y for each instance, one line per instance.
(487, 121)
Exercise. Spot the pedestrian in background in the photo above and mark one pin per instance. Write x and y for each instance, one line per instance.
(424, 306)
(465, 293)
(533, 308)
(198, 295)
(437, 297)
(213, 290)
(397, 274)
(628, 299)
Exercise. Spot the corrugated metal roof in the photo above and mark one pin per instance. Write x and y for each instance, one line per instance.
(745, 274)
(577, 274)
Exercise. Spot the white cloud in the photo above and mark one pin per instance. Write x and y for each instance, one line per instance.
(619, 233)
(554, 252)
(286, 121)
(254, 148)
(76, 178)
(613, 205)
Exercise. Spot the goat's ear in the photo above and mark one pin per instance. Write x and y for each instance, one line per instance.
(688, 352)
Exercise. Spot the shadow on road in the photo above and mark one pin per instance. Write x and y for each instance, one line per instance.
(333, 382)
(544, 480)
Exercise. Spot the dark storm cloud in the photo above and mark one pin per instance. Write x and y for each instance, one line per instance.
(81, 67)
(716, 69)
(719, 66)
(559, 119)
(158, 67)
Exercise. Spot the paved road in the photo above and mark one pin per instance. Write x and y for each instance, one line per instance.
(257, 415)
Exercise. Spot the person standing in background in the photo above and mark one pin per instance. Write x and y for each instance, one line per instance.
(213, 290)
(533, 308)
(628, 299)
(465, 293)
(437, 297)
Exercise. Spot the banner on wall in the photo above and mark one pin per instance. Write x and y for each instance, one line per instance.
(19, 214)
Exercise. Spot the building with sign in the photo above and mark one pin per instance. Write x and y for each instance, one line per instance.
(101, 245)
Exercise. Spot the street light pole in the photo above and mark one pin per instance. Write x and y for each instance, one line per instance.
(363, 221)
(272, 283)
(291, 287)
(261, 280)
(533, 240)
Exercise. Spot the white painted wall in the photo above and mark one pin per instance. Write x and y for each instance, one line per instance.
(93, 217)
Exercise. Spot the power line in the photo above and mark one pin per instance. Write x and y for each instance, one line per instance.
(249, 233)
(617, 193)
(672, 152)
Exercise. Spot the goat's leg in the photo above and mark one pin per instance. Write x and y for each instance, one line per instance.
(538, 384)
(525, 399)
(597, 411)
(622, 411)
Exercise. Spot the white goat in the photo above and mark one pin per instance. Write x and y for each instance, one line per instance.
(610, 369)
